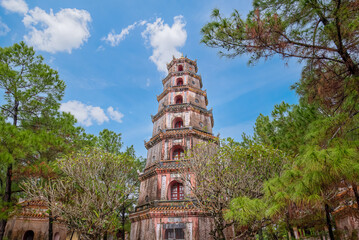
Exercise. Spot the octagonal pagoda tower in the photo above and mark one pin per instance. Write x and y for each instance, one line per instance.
(182, 121)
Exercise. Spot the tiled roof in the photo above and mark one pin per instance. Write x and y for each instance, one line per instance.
(181, 73)
(182, 107)
(171, 208)
(181, 60)
(182, 88)
(161, 165)
(33, 214)
(175, 132)
(37, 202)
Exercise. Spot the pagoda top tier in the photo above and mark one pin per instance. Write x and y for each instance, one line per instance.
(184, 62)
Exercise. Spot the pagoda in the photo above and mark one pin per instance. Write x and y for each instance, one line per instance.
(164, 209)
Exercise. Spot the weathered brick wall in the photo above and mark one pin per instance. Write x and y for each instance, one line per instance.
(148, 188)
(348, 225)
(194, 82)
(196, 99)
(154, 153)
(144, 229)
(163, 101)
(201, 121)
(17, 226)
(205, 225)
(159, 124)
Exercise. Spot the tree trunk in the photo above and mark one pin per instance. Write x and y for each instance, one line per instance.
(16, 112)
(220, 233)
(51, 221)
(6, 198)
(329, 223)
(274, 236)
(289, 227)
(72, 234)
(260, 233)
(2, 228)
(123, 222)
(220, 228)
(356, 195)
(217, 232)
(7, 195)
(338, 41)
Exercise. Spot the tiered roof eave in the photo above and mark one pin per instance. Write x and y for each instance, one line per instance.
(182, 60)
(183, 107)
(180, 132)
(181, 73)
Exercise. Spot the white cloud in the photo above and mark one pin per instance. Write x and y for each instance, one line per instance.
(115, 115)
(114, 39)
(165, 40)
(4, 29)
(85, 114)
(143, 22)
(100, 48)
(19, 6)
(66, 30)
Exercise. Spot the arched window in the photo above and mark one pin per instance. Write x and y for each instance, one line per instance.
(174, 233)
(179, 82)
(178, 99)
(177, 153)
(177, 191)
(29, 235)
(180, 68)
(177, 123)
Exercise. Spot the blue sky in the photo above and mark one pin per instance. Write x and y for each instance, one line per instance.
(112, 56)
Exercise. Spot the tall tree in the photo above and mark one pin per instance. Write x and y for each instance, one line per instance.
(94, 185)
(110, 141)
(322, 132)
(31, 89)
(286, 127)
(216, 175)
(14, 144)
(324, 31)
(324, 34)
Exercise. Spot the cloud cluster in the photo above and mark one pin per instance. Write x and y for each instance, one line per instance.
(114, 39)
(115, 115)
(63, 31)
(165, 40)
(87, 114)
(66, 30)
(4, 29)
(18, 6)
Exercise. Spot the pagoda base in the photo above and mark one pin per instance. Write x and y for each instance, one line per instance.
(172, 222)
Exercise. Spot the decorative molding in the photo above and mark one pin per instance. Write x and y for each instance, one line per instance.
(163, 187)
(190, 230)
